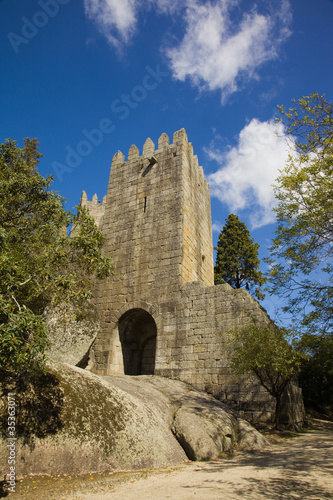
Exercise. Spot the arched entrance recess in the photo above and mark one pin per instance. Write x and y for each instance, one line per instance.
(137, 334)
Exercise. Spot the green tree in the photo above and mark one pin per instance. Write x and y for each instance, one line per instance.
(237, 261)
(40, 265)
(302, 250)
(265, 351)
(316, 375)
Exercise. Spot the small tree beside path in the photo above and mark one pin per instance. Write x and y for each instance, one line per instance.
(264, 351)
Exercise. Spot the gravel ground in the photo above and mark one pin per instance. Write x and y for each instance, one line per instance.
(294, 467)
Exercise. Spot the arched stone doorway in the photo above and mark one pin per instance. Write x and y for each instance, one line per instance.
(137, 334)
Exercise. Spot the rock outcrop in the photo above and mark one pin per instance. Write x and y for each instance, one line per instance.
(205, 427)
(92, 423)
(69, 340)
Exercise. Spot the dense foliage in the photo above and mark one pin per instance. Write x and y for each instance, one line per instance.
(316, 375)
(266, 351)
(301, 260)
(237, 261)
(302, 250)
(40, 265)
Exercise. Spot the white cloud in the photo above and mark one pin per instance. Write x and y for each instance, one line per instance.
(248, 170)
(217, 54)
(216, 227)
(115, 19)
(118, 19)
(222, 46)
(168, 6)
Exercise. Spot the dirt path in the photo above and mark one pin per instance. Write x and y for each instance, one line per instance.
(298, 468)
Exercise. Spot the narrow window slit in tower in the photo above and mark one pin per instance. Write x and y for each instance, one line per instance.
(145, 205)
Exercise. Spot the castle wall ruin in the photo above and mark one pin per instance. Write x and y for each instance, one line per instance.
(162, 314)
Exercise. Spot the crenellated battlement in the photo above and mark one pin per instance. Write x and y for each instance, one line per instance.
(179, 145)
(95, 207)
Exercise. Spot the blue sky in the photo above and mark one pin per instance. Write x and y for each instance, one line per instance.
(90, 77)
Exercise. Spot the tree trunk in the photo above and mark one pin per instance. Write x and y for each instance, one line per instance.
(277, 411)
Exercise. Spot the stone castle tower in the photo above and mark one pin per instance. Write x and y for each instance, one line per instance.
(162, 314)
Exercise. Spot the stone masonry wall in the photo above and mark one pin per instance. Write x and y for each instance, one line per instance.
(96, 208)
(193, 347)
(157, 225)
(197, 262)
(155, 241)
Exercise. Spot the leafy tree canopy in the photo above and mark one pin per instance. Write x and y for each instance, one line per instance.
(302, 250)
(266, 351)
(237, 261)
(40, 265)
(316, 376)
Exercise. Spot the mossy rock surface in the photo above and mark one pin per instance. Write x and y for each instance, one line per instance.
(206, 428)
(98, 427)
(74, 422)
